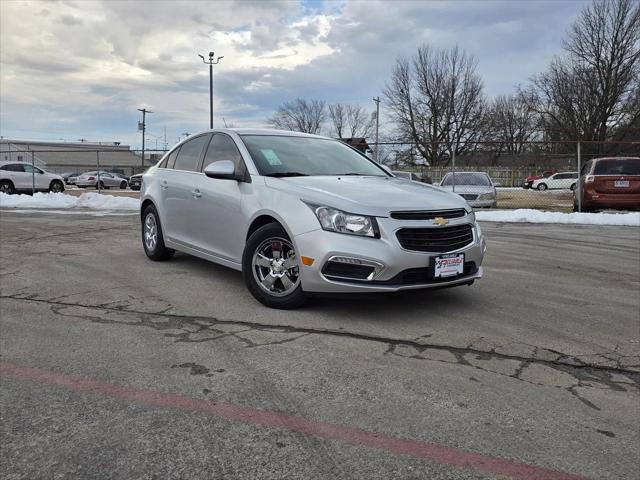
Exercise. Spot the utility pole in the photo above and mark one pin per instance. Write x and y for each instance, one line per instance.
(377, 100)
(142, 127)
(211, 63)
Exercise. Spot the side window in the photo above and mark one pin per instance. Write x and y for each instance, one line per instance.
(29, 169)
(171, 159)
(222, 147)
(189, 154)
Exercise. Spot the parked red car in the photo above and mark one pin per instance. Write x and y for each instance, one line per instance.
(532, 178)
(612, 182)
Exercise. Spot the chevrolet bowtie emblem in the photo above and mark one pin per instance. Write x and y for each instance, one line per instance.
(440, 221)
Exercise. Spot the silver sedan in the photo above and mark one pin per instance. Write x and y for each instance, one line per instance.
(476, 188)
(299, 213)
(100, 180)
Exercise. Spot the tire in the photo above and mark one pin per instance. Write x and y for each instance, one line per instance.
(542, 187)
(155, 250)
(286, 295)
(6, 186)
(573, 187)
(56, 187)
(100, 185)
(123, 185)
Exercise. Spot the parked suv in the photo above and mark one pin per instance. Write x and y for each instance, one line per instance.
(557, 181)
(612, 182)
(299, 213)
(21, 177)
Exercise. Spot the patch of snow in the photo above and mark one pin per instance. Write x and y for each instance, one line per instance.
(90, 200)
(576, 218)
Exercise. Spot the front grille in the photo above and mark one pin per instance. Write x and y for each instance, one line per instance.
(468, 196)
(428, 214)
(435, 239)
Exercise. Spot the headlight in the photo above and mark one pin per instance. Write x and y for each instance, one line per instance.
(338, 221)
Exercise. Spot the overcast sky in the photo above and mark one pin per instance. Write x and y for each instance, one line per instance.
(80, 69)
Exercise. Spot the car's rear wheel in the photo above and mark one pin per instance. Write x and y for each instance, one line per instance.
(572, 187)
(123, 185)
(542, 186)
(152, 237)
(6, 187)
(271, 269)
(56, 186)
(100, 185)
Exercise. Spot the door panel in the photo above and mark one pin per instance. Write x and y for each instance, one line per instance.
(217, 216)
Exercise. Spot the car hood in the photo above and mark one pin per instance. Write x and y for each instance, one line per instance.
(367, 195)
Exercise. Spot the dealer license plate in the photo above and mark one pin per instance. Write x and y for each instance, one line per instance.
(622, 183)
(448, 265)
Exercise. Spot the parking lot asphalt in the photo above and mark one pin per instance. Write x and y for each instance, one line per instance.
(113, 366)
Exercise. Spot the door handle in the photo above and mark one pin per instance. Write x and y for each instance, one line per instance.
(196, 193)
(164, 185)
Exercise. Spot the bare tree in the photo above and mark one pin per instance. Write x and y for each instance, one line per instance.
(300, 115)
(588, 94)
(436, 102)
(349, 121)
(512, 123)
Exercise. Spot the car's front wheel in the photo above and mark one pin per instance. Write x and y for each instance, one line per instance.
(542, 187)
(271, 269)
(123, 185)
(152, 237)
(56, 186)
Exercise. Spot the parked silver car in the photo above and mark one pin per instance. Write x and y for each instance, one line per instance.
(299, 213)
(104, 180)
(476, 188)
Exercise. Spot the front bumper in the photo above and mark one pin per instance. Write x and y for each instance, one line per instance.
(401, 269)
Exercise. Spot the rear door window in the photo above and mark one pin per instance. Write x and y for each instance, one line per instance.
(618, 166)
(14, 167)
(190, 152)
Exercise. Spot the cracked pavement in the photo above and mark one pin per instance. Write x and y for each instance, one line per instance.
(539, 362)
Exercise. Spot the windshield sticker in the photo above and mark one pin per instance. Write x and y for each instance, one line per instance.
(271, 157)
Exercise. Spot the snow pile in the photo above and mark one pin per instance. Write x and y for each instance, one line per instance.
(537, 216)
(91, 200)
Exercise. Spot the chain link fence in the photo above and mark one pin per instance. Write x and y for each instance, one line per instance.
(105, 168)
(537, 175)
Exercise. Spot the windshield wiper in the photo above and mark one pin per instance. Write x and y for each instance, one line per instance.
(286, 174)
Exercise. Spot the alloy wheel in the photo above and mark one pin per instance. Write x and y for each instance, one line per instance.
(275, 267)
(150, 232)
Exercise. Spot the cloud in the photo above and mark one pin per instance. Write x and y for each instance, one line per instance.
(85, 74)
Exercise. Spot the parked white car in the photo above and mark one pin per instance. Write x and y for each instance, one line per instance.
(21, 177)
(557, 181)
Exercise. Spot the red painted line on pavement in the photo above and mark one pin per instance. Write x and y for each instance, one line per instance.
(264, 418)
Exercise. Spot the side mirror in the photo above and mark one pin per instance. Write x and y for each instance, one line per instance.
(222, 169)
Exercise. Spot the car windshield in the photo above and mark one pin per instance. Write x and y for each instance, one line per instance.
(466, 179)
(618, 166)
(283, 156)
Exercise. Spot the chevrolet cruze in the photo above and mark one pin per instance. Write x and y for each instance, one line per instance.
(299, 213)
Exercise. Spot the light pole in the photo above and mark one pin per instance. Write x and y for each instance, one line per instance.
(377, 100)
(211, 63)
(142, 127)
